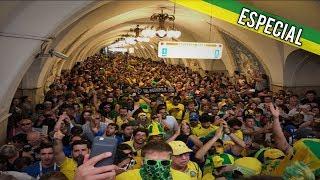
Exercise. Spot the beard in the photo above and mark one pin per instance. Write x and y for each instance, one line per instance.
(79, 159)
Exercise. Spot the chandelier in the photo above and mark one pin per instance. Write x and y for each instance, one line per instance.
(120, 42)
(137, 37)
(136, 30)
(162, 31)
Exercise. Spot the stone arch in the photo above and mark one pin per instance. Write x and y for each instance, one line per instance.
(300, 66)
(244, 58)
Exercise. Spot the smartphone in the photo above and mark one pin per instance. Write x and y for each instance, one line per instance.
(130, 165)
(45, 130)
(102, 145)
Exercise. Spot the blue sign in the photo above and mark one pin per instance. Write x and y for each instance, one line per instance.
(216, 54)
(164, 51)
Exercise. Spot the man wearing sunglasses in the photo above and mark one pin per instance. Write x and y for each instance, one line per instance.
(156, 164)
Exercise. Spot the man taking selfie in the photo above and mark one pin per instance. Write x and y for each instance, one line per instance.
(156, 164)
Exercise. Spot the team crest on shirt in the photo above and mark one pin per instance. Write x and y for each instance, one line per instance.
(193, 174)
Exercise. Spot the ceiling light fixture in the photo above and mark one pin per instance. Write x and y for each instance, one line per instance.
(148, 32)
(161, 18)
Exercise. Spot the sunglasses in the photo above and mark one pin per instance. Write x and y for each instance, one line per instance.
(159, 162)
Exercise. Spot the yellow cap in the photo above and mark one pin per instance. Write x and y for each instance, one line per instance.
(223, 159)
(248, 166)
(273, 154)
(179, 147)
(155, 129)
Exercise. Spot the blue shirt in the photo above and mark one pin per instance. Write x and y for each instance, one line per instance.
(35, 170)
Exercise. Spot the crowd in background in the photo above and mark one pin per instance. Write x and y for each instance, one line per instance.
(213, 126)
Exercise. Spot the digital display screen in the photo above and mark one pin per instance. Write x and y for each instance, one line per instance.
(192, 50)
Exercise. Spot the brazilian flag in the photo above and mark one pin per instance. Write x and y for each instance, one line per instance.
(306, 151)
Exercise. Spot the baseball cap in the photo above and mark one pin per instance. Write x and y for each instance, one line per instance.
(145, 108)
(179, 147)
(193, 116)
(155, 128)
(223, 159)
(273, 153)
(248, 166)
(269, 153)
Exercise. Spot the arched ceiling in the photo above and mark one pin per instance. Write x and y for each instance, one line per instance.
(109, 20)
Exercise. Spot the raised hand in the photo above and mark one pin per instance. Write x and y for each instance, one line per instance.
(274, 110)
(87, 171)
(58, 135)
(219, 131)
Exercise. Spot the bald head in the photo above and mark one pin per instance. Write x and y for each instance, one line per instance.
(34, 138)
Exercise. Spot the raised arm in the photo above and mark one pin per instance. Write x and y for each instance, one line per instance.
(145, 99)
(206, 147)
(57, 106)
(281, 141)
(95, 101)
(196, 140)
(57, 127)
(175, 135)
(236, 140)
(233, 137)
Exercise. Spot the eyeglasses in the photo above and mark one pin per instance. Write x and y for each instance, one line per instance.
(151, 162)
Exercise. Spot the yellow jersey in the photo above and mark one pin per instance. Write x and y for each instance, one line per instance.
(208, 176)
(228, 141)
(139, 161)
(120, 121)
(193, 171)
(130, 143)
(199, 131)
(68, 167)
(177, 114)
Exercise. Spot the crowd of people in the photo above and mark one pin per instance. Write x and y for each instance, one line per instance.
(211, 126)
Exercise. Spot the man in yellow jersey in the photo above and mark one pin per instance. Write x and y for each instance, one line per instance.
(175, 108)
(123, 117)
(181, 160)
(205, 127)
(139, 139)
(191, 109)
(156, 164)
